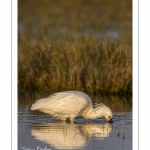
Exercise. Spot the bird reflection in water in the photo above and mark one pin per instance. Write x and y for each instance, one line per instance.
(62, 135)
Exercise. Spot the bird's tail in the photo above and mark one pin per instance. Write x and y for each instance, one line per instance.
(34, 107)
(38, 104)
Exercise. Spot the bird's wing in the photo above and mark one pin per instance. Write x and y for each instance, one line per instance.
(64, 103)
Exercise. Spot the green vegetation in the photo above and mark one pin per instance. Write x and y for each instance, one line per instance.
(75, 45)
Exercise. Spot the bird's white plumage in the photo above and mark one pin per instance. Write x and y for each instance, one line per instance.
(69, 104)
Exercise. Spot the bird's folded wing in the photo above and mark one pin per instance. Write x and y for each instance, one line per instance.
(66, 103)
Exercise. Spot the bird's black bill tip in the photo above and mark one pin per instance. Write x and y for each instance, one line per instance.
(110, 121)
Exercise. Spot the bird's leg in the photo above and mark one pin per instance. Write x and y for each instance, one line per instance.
(68, 120)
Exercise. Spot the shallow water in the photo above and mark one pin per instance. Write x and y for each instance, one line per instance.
(39, 131)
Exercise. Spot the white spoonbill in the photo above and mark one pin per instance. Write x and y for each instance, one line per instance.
(72, 104)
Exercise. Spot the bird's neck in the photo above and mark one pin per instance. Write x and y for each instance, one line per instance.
(92, 114)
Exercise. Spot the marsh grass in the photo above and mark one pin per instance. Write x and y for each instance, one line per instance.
(66, 45)
(75, 63)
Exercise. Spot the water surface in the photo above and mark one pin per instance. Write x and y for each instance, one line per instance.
(37, 130)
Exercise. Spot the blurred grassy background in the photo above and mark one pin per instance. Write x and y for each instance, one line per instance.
(75, 45)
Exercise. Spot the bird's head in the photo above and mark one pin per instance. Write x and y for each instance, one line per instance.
(108, 114)
(103, 111)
